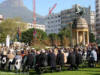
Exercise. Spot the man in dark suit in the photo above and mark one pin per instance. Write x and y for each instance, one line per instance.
(78, 58)
(72, 60)
(43, 59)
(52, 60)
(30, 60)
(60, 59)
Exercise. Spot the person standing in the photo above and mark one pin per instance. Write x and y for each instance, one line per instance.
(93, 58)
(4, 59)
(30, 60)
(10, 57)
(60, 59)
(78, 58)
(52, 60)
(17, 61)
(72, 60)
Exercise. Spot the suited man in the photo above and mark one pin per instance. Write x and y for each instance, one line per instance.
(52, 60)
(43, 59)
(60, 59)
(37, 65)
(41, 62)
(72, 60)
(78, 58)
(30, 60)
(24, 61)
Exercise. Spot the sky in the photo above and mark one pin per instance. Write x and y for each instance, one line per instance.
(42, 6)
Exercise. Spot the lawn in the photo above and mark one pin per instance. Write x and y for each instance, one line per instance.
(82, 71)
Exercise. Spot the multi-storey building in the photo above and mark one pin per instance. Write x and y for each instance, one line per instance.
(53, 23)
(37, 26)
(92, 24)
(1, 18)
(98, 19)
(69, 15)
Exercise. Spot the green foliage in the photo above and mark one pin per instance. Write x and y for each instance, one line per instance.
(10, 26)
(92, 37)
(2, 37)
(64, 33)
(27, 36)
(61, 38)
(98, 41)
(54, 38)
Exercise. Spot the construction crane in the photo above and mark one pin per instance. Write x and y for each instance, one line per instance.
(34, 13)
(54, 6)
(34, 18)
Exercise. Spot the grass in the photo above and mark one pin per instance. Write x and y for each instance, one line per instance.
(88, 71)
(82, 71)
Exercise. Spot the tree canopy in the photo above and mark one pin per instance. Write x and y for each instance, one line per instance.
(27, 36)
(9, 27)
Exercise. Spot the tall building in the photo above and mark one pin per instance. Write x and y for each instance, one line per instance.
(69, 15)
(53, 23)
(92, 25)
(1, 18)
(98, 19)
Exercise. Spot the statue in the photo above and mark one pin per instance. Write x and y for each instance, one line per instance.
(79, 11)
(8, 41)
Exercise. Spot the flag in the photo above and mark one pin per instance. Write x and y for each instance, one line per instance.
(18, 34)
(34, 33)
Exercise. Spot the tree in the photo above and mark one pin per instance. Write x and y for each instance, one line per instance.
(54, 38)
(64, 35)
(27, 36)
(9, 27)
(92, 38)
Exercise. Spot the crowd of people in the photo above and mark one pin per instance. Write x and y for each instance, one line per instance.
(27, 58)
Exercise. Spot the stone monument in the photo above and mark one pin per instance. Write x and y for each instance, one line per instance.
(80, 30)
(8, 41)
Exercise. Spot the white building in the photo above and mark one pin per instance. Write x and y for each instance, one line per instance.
(98, 19)
(37, 26)
(53, 23)
(1, 18)
(92, 22)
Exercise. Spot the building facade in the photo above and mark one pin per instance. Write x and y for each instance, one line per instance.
(69, 15)
(1, 18)
(92, 27)
(98, 19)
(53, 23)
(37, 26)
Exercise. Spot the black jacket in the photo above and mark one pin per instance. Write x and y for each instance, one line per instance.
(52, 60)
(60, 59)
(78, 58)
(30, 59)
(43, 60)
(72, 58)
